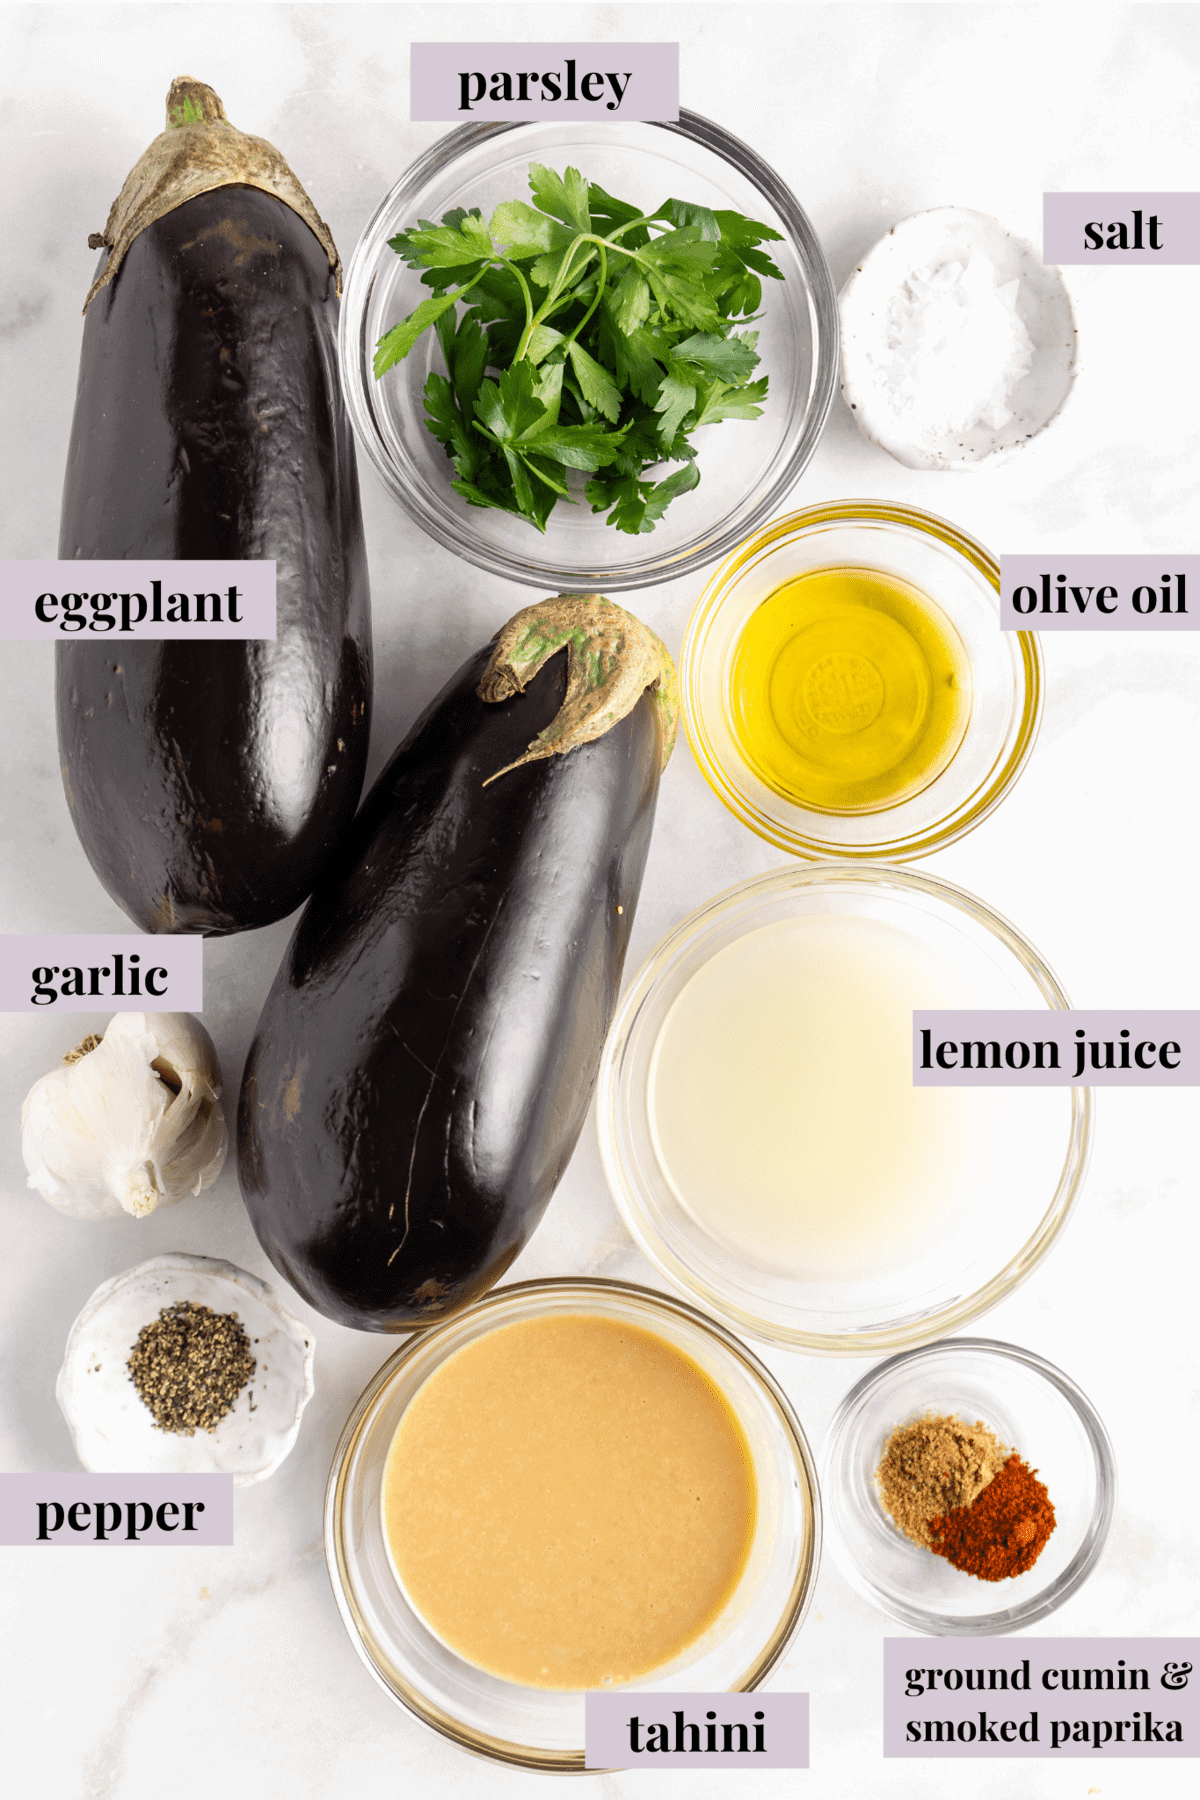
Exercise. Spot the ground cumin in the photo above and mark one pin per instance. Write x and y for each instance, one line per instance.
(935, 1466)
(1001, 1533)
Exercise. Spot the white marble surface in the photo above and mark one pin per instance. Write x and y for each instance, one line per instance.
(193, 1672)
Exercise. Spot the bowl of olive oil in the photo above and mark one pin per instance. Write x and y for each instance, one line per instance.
(847, 688)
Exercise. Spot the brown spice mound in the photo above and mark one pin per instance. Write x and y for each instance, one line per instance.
(189, 1366)
(934, 1466)
(1004, 1531)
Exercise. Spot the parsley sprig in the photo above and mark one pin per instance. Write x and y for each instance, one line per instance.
(611, 335)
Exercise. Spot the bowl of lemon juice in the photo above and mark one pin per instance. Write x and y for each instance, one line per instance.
(762, 1135)
(847, 689)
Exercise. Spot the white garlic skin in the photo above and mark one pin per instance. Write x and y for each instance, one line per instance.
(109, 1135)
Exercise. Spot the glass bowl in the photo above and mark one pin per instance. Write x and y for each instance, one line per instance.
(963, 580)
(747, 467)
(537, 1728)
(1029, 1405)
(1020, 1170)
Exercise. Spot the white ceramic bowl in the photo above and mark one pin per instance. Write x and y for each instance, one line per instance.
(917, 245)
(114, 1430)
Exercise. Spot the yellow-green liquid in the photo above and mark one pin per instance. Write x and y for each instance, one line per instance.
(851, 690)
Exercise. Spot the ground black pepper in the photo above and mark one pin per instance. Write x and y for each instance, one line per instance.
(189, 1366)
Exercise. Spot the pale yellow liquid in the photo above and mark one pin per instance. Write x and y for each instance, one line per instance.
(782, 1101)
(569, 1502)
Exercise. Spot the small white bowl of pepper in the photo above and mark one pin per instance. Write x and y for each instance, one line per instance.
(970, 1487)
(188, 1365)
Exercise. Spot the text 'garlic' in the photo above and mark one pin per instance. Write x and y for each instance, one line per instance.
(131, 1122)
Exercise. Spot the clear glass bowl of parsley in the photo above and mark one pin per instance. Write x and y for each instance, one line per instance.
(589, 356)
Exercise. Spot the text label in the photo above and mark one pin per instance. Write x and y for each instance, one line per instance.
(110, 602)
(1051, 1697)
(1121, 228)
(1017, 1048)
(679, 1731)
(116, 1509)
(82, 973)
(539, 81)
(1159, 592)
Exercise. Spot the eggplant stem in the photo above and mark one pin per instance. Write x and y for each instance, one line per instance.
(612, 658)
(199, 152)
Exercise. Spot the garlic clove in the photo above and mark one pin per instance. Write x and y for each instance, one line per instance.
(112, 1428)
(191, 1153)
(132, 1123)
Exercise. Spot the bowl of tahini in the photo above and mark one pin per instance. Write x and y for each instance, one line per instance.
(573, 1485)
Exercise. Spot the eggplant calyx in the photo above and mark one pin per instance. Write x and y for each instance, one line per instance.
(192, 102)
(197, 153)
(612, 658)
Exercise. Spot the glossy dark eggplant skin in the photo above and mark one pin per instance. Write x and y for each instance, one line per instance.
(210, 783)
(424, 1062)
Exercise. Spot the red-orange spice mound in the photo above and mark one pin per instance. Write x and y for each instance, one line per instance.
(1003, 1531)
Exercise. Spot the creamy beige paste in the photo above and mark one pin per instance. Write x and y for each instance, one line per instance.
(569, 1502)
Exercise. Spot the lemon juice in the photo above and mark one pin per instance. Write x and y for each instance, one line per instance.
(782, 1105)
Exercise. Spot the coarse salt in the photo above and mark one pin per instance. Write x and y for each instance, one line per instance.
(953, 348)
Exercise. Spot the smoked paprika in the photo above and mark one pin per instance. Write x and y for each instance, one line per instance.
(1003, 1531)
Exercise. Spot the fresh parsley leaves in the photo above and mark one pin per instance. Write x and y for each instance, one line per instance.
(591, 337)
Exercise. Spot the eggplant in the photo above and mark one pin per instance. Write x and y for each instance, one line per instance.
(425, 1059)
(210, 783)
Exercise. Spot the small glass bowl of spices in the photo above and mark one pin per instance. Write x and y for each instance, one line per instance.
(969, 1487)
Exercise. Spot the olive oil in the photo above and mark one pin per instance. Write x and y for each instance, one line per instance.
(850, 690)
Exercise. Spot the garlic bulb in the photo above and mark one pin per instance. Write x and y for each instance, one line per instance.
(131, 1122)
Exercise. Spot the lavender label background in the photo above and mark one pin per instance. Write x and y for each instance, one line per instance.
(438, 72)
(1125, 573)
(20, 1496)
(785, 1730)
(181, 957)
(1030, 1027)
(1162, 1699)
(22, 582)
(1065, 215)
